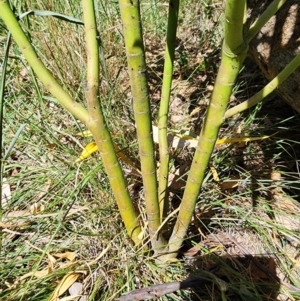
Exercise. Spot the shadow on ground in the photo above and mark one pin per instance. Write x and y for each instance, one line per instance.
(224, 278)
(235, 278)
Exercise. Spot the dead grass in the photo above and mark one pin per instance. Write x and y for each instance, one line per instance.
(58, 207)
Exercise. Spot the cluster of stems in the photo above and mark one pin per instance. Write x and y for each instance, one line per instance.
(234, 50)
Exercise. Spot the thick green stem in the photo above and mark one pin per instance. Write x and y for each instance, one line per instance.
(39, 68)
(98, 127)
(130, 13)
(269, 88)
(234, 27)
(233, 54)
(164, 106)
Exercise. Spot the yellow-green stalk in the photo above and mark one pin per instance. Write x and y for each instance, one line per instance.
(233, 54)
(38, 67)
(132, 28)
(99, 130)
(164, 106)
(268, 89)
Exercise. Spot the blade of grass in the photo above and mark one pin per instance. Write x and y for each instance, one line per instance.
(48, 13)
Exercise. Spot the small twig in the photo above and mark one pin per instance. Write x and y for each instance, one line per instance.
(159, 290)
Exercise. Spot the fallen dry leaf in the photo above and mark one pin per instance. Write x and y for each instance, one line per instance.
(67, 255)
(26, 213)
(64, 285)
(86, 133)
(230, 184)
(214, 173)
(176, 140)
(36, 207)
(37, 274)
(88, 150)
(12, 226)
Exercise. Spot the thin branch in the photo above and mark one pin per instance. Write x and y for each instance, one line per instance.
(259, 23)
(268, 89)
(158, 290)
(37, 65)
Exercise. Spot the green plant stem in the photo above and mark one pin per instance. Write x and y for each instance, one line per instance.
(234, 52)
(164, 106)
(130, 14)
(36, 64)
(269, 88)
(259, 23)
(98, 127)
(234, 21)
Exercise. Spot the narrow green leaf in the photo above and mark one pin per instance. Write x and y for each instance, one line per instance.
(48, 13)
